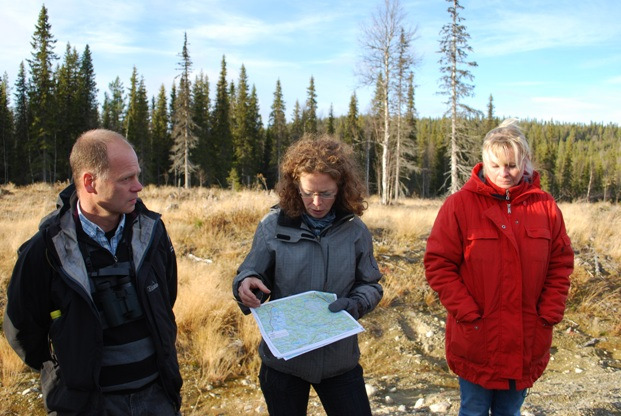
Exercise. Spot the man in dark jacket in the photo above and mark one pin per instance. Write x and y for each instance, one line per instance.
(91, 295)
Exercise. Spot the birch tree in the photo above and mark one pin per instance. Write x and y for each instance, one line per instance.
(379, 61)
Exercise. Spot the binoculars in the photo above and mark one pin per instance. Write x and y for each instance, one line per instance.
(118, 300)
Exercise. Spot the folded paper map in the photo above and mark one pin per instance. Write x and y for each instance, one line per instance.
(300, 323)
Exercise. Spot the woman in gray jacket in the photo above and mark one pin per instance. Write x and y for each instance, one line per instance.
(314, 240)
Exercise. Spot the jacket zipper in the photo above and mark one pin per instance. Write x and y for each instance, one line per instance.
(508, 198)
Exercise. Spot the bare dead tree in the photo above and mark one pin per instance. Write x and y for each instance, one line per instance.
(454, 65)
(379, 43)
(404, 62)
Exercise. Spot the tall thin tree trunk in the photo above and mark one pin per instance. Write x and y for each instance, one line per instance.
(186, 164)
(385, 142)
(454, 145)
(397, 156)
(588, 197)
(367, 155)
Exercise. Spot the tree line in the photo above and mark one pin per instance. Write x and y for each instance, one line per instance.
(192, 135)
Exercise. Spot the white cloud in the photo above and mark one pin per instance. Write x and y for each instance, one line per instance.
(535, 25)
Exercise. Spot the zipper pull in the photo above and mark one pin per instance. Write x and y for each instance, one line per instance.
(508, 198)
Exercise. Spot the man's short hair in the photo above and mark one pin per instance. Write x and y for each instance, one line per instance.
(90, 153)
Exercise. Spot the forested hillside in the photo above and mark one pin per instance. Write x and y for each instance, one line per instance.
(202, 132)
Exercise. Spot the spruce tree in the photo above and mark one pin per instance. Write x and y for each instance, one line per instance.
(41, 98)
(137, 124)
(87, 92)
(221, 150)
(424, 158)
(490, 121)
(244, 138)
(160, 139)
(184, 128)
(114, 107)
(331, 129)
(68, 109)
(25, 173)
(409, 151)
(310, 111)
(201, 110)
(258, 134)
(352, 133)
(297, 123)
(277, 130)
(7, 150)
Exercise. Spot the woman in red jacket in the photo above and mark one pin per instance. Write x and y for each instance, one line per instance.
(500, 259)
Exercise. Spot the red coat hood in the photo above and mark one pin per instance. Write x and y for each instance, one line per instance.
(480, 185)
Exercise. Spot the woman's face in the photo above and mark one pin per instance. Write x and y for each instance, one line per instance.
(318, 192)
(504, 172)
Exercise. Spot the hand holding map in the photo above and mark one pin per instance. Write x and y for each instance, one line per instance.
(300, 323)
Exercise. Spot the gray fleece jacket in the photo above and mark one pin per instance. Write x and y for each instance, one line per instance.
(290, 259)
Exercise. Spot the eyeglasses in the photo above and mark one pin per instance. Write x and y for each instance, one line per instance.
(325, 196)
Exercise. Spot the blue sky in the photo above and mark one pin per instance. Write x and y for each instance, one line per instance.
(540, 59)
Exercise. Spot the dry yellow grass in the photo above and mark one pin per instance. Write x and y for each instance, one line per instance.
(212, 231)
(595, 227)
(10, 363)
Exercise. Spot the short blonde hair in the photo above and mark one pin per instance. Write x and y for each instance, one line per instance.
(504, 139)
(90, 153)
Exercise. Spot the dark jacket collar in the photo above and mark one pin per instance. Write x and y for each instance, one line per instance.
(67, 201)
(296, 222)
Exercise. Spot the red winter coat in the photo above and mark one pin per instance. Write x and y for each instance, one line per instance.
(501, 269)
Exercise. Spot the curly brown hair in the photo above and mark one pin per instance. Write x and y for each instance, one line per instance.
(323, 154)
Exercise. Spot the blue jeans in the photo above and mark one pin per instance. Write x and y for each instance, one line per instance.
(287, 395)
(152, 401)
(478, 401)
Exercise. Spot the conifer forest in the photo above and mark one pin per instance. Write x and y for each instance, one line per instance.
(210, 133)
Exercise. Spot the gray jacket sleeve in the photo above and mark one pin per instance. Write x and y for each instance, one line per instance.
(258, 263)
(367, 290)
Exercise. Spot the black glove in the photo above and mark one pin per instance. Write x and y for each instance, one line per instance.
(352, 306)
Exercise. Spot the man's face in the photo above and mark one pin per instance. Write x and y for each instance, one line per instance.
(117, 193)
